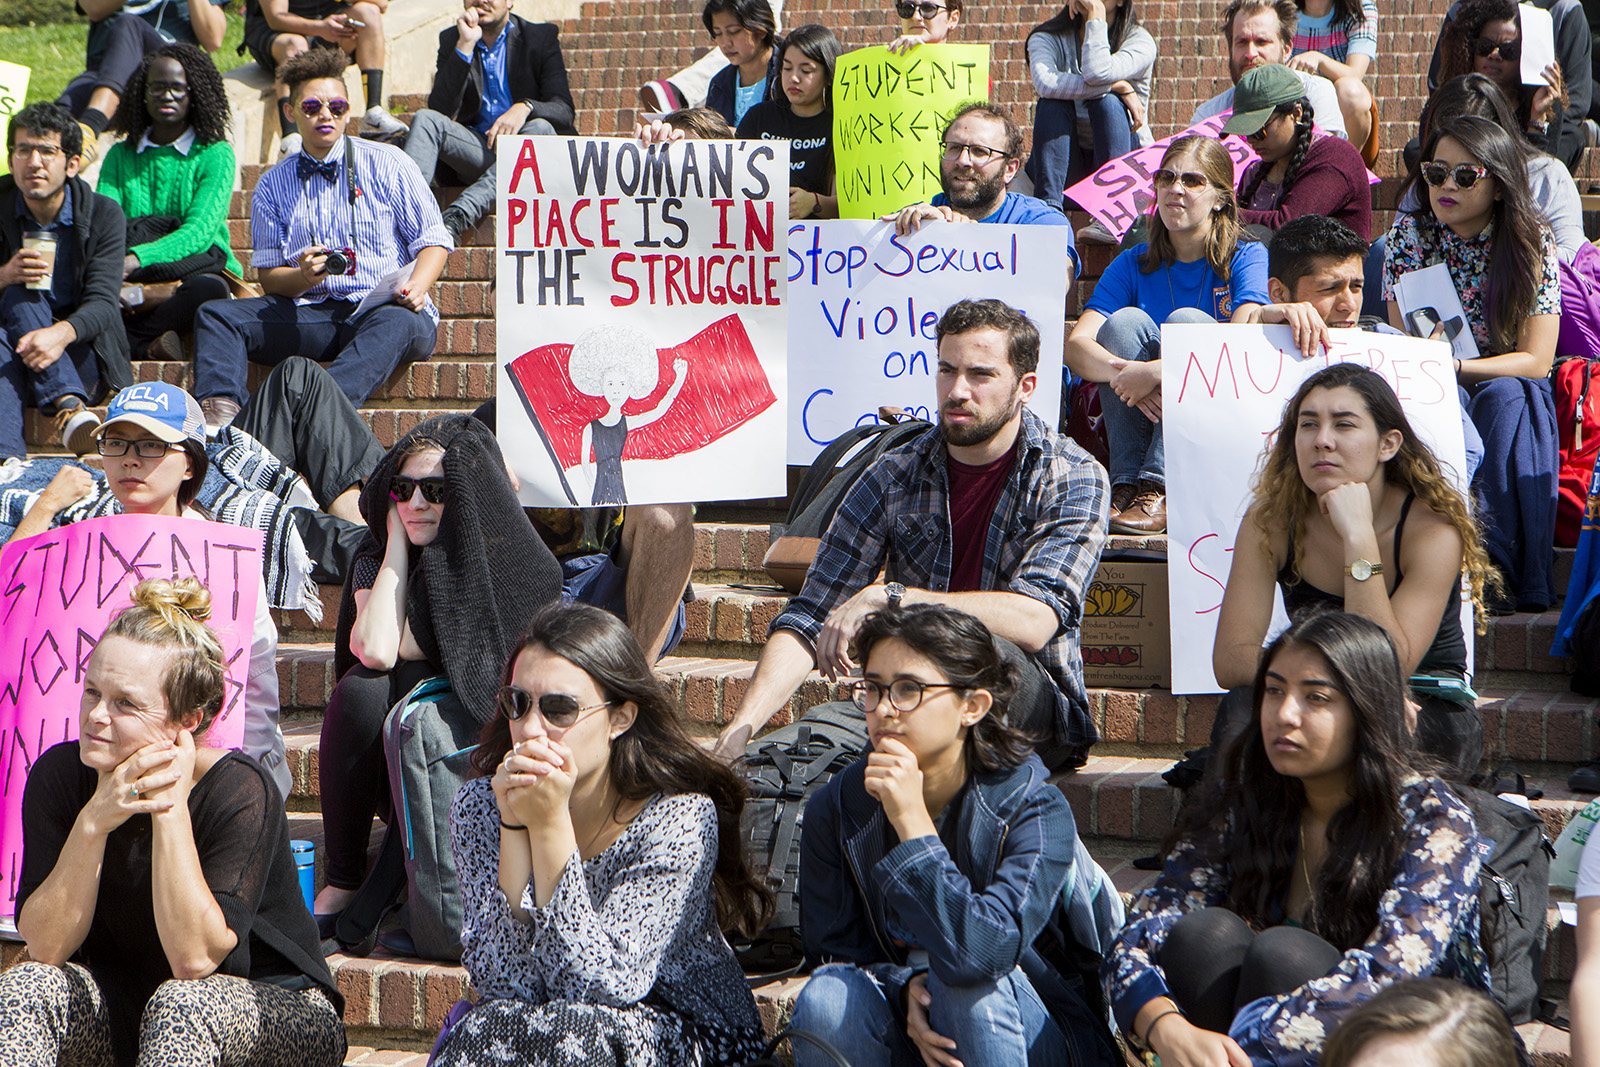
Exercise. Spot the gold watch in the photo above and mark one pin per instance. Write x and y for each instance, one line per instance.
(1362, 569)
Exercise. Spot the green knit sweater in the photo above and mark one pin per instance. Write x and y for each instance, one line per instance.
(162, 181)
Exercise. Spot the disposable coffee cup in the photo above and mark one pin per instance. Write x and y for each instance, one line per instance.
(44, 243)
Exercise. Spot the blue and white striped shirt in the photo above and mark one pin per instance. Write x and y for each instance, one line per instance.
(394, 217)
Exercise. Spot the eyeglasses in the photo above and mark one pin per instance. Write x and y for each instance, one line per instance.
(311, 107)
(905, 694)
(402, 489)
(1191, 179)
(1466, 175)
(925, 10)
(116, 447)
(981, 155)
(556, 709)
(172, 89)
(1510, 51)
(46, 152)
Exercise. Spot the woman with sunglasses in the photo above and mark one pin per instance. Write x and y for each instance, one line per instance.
(1479, 220)
(1194, 268)
(1091, 65)
(932, 871)
(799, 109)
(600, 862)
(448, 575)
(1485, 37)
(924, 22)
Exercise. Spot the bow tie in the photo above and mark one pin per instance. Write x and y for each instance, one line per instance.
(329, 169)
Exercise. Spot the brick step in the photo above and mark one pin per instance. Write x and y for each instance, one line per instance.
(446, 378)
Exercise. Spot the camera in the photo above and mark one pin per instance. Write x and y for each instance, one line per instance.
(341, 261)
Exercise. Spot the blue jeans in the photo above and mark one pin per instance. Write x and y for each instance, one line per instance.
(76, 373)
(1133, 441)
(1000, 1023)
(1059, 159)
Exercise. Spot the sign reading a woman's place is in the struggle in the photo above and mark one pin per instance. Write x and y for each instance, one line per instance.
(640, 319)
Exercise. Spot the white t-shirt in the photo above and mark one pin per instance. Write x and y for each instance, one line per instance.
(1589, 870)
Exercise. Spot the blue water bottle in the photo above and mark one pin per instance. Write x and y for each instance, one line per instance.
(305, 864)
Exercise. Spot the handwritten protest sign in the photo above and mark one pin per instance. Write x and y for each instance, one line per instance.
(864, 304)
(60, 589)
(13, 91)
(640, 319)
(1223, 389)
(888, 112)
(1119, 192)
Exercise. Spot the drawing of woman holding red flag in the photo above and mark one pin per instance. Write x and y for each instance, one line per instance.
(618, 364)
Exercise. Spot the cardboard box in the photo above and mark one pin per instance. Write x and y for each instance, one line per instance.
(1127, 642)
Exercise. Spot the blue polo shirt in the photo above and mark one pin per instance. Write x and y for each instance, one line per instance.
(63, 282)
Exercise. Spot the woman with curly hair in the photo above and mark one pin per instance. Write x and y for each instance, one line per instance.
(1315, 870)
(1485, 37)
(600, 861)
(172, 174)
(1352, 512)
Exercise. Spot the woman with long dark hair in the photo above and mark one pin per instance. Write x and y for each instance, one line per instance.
(1317, 868)
(600, 861)
(1194, 268)
(799, 109)
(1092, 65)
(747, 35)
(1478, 218)
(1485, 37)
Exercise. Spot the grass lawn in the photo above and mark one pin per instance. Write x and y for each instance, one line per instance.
(55, 52)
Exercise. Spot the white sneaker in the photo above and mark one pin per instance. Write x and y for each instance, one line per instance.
(289, 145)
(379, 121)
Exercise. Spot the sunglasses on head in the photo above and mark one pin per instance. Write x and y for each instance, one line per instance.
(1510, 51)
(556, 709)
(311, 107)
(1466, 175)
(401, 489)
(1191, 179)
(924, 10)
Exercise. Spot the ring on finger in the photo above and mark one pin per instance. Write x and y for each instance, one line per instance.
(133, 791)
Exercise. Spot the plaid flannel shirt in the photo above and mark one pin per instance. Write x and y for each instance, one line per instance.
(1044, 542)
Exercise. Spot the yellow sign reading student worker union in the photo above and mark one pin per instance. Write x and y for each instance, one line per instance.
(13, 91)
(888, 112)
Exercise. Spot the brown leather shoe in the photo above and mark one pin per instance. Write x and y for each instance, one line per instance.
(168, 347)
(1121, 497)
(1147, 514)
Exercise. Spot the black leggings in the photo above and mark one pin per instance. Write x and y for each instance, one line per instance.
(176, 313)
(352, 771)
(1215, 964)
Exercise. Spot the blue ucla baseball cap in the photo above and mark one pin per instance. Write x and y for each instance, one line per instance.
(165, 410)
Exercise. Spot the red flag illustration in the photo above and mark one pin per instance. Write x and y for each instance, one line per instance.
(724, 387)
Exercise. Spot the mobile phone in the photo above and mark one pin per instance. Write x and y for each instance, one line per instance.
(1423, 321)
(357, 23)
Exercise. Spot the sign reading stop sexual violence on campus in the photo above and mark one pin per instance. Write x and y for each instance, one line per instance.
(865, 303)
(1223, 389)
(59, 590)
(640, 319)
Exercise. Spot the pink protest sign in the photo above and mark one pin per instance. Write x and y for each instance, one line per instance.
(59, 590)
(1119, 192)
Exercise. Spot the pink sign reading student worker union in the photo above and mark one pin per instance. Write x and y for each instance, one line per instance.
(59, 590)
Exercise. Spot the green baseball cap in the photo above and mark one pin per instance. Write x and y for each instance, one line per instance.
(1259, 93)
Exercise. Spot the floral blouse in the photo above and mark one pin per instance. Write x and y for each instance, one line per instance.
(1427, 927)
(1417, 241)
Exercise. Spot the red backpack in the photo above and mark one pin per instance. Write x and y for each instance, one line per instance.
(1578, 420)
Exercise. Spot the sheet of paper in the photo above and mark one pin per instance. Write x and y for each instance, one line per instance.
(384, 291)
(1431, 287)
(1538, 42)
(1568, 911)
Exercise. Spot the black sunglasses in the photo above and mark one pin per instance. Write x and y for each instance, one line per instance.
(1466, 175)
(401, 489)
(556, 709)
(925, 9)
(1510, 51)
(312, 107)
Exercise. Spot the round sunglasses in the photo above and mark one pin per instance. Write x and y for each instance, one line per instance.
(1466, 175)
(559, 710)
(402, 489)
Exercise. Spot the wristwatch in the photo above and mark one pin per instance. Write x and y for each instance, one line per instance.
(895, 592)
(1362, 569)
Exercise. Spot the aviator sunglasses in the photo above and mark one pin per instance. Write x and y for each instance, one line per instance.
(311, 107)
(402, 488)
(557, 709)
(1191, 179)
(1466, 175)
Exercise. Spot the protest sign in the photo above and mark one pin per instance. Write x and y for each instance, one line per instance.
(1223, 389)
(864, 303)
(13, 91)
(888, 114)
(60, 589)
(1119, 192)
(640, 319)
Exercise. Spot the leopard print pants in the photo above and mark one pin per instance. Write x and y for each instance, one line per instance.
(51, 1015)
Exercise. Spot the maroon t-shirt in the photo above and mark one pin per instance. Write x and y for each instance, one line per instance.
(973, 493)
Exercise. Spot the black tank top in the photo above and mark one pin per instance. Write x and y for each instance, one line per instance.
(1448, 652)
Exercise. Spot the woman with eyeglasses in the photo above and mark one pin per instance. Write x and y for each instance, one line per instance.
(1195, 268)
(933, 870)
(1299, 172)
(1485, 37)
(924, 22)
(447, 577)
(600, 861)
(1091, 65)
(1480, 221)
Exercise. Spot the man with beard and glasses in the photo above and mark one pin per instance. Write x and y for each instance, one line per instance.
(1260, 32)
(982, 152)
(990, 512)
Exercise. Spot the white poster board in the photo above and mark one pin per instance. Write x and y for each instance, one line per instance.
(1223, 389)
(640, 320)
(1538, 42)
(864, 305)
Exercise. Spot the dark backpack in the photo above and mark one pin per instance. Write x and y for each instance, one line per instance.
(794, 542)
(782, 770)
(1513, 897)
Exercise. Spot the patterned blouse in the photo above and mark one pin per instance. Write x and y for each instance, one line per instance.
(1427, 927)
(1417, 241)
(633, 925)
